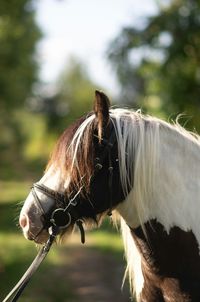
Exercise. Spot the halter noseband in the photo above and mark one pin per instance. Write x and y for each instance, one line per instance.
(64, 212)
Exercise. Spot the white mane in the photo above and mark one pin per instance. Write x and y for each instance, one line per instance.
(161, 162)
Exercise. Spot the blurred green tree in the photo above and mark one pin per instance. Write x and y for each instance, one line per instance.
(76, 88)
(72, 97)
(52, 109)
(19, 35)
(158, 64)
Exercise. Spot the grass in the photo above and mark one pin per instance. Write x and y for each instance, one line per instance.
(107, 240)
(16, 253)
(13, 191)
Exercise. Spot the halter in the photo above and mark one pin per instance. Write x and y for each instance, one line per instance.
(65, 212)
(62, 215)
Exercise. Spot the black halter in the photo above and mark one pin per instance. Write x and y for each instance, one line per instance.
(64, 212)
(63, 215)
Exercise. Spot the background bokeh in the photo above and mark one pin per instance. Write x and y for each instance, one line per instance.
(53, 55)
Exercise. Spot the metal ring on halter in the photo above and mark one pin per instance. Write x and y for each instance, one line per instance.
(60, 218)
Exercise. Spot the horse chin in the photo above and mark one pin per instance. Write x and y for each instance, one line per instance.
(42, 238)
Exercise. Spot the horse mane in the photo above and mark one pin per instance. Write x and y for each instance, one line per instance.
(139, 145)
(73, 154)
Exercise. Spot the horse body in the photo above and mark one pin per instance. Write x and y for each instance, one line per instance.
(149, 176)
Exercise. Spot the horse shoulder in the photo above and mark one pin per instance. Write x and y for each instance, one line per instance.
(170, 263)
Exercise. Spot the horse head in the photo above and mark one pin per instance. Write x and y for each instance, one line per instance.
(82, 179)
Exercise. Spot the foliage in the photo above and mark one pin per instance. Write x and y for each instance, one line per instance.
(160, 60)
(74, 84)
(68, 99)
(18, 37)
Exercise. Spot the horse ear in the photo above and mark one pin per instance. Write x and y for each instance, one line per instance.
(101, 109)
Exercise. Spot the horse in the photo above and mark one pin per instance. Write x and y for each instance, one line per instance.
(143, 172)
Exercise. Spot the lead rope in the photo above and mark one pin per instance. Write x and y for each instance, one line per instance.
(21, 285)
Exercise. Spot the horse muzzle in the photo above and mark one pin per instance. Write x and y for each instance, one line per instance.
(33, 229)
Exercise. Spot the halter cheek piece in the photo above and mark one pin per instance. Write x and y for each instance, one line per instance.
(99, 161)
(62, 215)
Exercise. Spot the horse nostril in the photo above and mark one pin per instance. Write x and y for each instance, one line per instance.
(23, 221)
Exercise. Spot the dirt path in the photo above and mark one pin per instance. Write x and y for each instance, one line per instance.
(95, 276)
